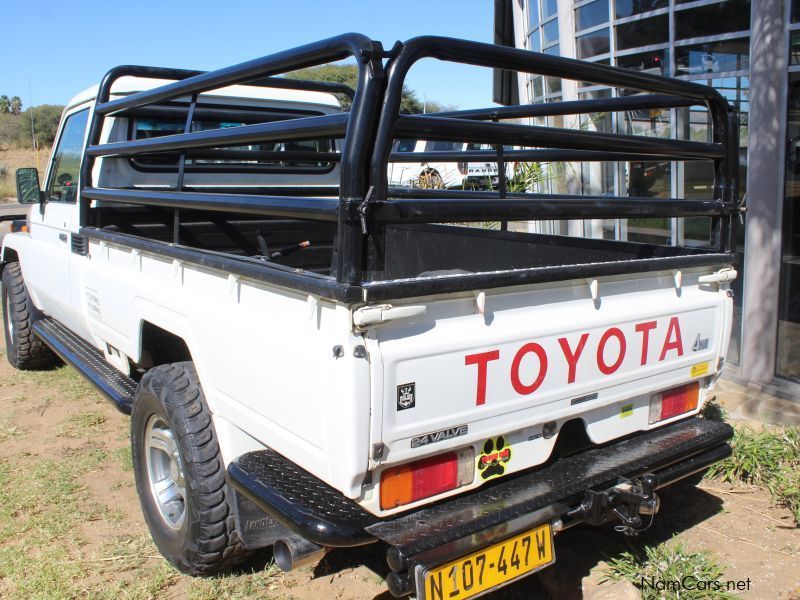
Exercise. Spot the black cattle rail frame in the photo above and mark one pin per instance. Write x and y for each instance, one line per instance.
(364, 203)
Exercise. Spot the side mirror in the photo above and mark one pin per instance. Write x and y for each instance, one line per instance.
(28, 191)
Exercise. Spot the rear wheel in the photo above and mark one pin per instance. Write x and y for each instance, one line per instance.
(179, 473)
(431, 180)
(24, 350)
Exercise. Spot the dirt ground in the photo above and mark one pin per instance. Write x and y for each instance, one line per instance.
(70, 524)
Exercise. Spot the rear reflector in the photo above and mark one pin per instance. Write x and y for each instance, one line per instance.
(673, 402)
(425, 478)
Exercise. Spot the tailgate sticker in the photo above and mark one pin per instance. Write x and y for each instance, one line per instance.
(699, 369)
(405, 396)
(496, 453)
(700, 343)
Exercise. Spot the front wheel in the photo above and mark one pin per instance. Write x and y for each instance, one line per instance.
(180, 477)
(24, 350)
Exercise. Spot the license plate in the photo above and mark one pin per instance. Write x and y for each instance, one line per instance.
(491, 567)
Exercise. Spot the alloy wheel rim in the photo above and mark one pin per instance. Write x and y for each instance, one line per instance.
(9, 316)
(165, 472)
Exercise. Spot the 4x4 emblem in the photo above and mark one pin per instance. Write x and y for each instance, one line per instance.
(700, 344)
(405, 396)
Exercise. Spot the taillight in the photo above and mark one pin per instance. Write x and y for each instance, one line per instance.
(427, 477)
(673, 402)
(462, 168)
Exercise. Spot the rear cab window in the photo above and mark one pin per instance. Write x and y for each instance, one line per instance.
(245, 158)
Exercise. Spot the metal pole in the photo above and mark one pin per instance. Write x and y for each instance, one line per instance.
(33, 128)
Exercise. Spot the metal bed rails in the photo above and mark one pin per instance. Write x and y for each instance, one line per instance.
(356, 129)
(366, 204)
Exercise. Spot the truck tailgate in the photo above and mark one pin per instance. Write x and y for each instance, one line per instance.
(453, 376)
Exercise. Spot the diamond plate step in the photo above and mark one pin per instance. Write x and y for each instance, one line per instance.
(88, 361)
(299, 500)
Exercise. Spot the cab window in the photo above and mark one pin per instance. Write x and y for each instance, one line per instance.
(236, 158)
(63, 183)
(405, 145)
(438, 146)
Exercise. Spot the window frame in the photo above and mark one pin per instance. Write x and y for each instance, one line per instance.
(52, 167)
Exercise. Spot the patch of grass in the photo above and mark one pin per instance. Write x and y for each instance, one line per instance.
(81, 425)
(713, 411)
(123, 456)
(671, 564)
(9, 430)
(256, 584)
(49, 575)
(768, 459)
(70, 384)
(130, 567)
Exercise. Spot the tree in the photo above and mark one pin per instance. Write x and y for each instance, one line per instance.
(15, 129)
(16, 105)
(348, 75)
(5, 104)
(409, 103)
(45, 118)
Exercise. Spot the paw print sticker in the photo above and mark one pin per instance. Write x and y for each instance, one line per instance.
(496, 453)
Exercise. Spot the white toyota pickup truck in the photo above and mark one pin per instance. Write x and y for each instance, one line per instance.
(313, 358)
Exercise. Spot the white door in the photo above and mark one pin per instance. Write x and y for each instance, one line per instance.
(52, 226)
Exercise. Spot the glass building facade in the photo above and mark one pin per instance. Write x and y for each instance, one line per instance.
(705, 41)
(788, 336)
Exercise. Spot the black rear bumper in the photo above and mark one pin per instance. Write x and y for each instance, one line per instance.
(324, 516)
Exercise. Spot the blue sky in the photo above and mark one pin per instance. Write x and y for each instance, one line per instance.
(67, 46)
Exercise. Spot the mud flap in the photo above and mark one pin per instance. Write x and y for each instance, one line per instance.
(257, 529)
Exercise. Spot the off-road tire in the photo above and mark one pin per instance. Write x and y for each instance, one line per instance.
(24, 349)
(208, 541)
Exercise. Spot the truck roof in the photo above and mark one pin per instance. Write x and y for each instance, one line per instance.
(129, 85)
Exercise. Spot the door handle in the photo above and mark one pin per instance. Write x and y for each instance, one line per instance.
(62, 237)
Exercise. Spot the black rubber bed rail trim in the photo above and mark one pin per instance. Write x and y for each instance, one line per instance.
(247, 267)
(318, 512)
(433, 285)
(88, 361)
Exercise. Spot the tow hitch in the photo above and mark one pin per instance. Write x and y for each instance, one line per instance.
(627, 501)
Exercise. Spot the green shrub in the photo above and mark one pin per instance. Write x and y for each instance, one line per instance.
(669, 570)
(768, 459)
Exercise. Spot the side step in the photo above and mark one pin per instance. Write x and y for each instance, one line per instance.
(88, 361)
